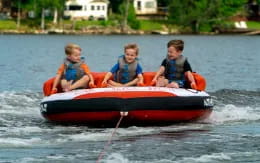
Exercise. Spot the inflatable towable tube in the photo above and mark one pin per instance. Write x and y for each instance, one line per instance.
(146, 105)
(148, 76)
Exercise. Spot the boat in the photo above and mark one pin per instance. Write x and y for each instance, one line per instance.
(140, 105)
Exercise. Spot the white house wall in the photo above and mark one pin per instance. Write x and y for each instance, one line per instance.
(145, 6)
(89, 9)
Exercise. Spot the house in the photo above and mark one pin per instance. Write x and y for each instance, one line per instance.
(148, 9)
(86, 9)
(5, 9)
(145, 7)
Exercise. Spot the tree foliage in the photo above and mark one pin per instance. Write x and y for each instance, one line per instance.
(198, 13)
(131, 16)
(114, 4)
(163, 3)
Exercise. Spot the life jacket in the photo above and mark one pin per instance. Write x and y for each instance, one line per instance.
(73, 71)
(174, 70)
(126, 72)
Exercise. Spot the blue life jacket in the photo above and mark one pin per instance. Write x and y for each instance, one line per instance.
(174, 70)
(126, 72)
(73, 71)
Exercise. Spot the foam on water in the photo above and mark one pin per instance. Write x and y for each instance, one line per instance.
(22, 127)
(232, 113)
(116, 158)
(18, 142)
(222, 157)
(215, 157)
(19, 104)
(212, 158)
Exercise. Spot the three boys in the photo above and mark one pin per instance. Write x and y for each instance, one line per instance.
(174, 70)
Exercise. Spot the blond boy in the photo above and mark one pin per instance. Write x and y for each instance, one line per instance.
(73, 73)
(127, 71)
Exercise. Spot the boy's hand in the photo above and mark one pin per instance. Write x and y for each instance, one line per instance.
(104, 84)
(193, 85)
(92, 85)
(54, 91)
(153, 82)
(140, 84)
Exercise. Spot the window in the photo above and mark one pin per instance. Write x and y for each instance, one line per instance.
(149, 4)
(139, 7)
(75, 7)
(92, 7)
(98, 7)
(103, 7)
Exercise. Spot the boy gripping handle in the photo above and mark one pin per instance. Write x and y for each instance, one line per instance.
(127, 72)
(174, 68)
(73, 73)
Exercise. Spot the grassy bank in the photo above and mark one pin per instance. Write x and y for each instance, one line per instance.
(253, 25)
(7, 25)
(84, 25)
(145, 25)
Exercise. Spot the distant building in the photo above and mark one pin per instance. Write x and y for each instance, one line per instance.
(148, 9)
(145, 6)
(5, 9)
(86, 9)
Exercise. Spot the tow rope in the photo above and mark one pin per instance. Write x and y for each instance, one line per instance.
(123, 114)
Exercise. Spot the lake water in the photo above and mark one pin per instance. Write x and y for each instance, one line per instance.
(231, 134)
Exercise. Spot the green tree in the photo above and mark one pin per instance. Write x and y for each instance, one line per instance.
(198, 13)
(114, 5)
(39, 7)
(163, 3)
(129, 17)
(19, 4)
(57, 8)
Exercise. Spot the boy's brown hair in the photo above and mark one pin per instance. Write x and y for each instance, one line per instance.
(178, 44)
(70, 47)
(132, 46)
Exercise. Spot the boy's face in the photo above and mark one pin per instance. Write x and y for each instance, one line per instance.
(130, 55)
(75, 55)
(173, 53)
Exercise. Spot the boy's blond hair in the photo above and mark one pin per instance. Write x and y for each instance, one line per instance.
(178, 44)
(132, 46)
(70, 47)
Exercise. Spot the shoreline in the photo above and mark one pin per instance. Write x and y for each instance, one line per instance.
(246, 32)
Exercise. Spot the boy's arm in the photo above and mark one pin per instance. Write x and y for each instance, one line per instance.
(139, 72)
(87, 71)
(191, 79)
(158, 73)
(140, 80)
(188, 74)
(85, 68)
(107, 76)
(91, 81)
(58, 77)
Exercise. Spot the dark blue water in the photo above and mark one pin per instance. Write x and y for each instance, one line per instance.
(231, 134)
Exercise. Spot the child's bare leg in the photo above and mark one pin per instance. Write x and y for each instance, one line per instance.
(65, 85)
(131, 83)
(112, 83)
(83, 82)
(161, 82)
(172, 85)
